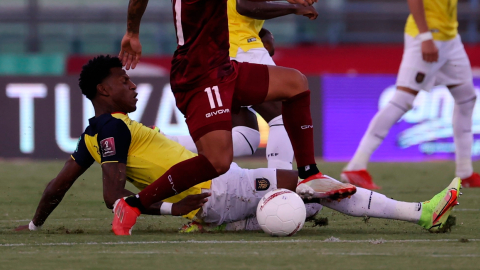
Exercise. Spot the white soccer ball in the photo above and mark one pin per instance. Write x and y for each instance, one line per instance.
(281, 212)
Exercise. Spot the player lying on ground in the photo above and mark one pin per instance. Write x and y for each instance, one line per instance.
(208, 87)
(251, 43)
(433, 55)
(143, 155)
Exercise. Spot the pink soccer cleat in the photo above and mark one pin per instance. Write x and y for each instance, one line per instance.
(472, 181)
(125, 216)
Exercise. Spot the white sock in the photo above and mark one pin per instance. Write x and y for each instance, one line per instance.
(465, 97)
(372, 204)
(245, 141)
(381, 123)
(279, 148)
(313, 209)
(185, 140)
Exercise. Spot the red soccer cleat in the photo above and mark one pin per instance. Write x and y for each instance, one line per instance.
(124, 217)
(472, 181)
(324, 187)
(360, 178)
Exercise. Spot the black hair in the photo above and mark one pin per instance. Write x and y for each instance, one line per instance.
(94, 72)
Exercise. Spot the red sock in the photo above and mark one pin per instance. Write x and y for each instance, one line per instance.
(298, 124)
(177, 179)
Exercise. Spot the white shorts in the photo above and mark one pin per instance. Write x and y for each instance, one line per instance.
(452, 67)
(255, 56)
(236, 194)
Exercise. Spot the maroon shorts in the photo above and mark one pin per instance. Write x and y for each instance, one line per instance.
(209, 107)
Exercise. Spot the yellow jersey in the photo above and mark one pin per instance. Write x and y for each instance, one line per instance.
(243, 31)
(441, 16)
(147, 153)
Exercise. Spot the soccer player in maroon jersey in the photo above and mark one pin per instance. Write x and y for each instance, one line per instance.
(208, 87)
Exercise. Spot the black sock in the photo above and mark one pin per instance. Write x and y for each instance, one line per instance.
(134, 201)
(307, 171)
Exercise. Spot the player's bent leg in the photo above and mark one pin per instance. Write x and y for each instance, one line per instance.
(217, 147)
(355, 171)
(285, 83)
(291, 86)
(279, 149)
(465, 99)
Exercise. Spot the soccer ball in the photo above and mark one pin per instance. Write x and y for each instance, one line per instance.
(281, 212)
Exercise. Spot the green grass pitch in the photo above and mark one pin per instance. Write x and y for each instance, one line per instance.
(77, 235)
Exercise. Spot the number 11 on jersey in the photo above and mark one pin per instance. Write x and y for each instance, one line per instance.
(210, 96)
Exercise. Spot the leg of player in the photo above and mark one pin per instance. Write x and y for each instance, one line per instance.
(279, 149)
(431, 214)
(291, 87)
(245, 135)
(356, 170)
(465, 98)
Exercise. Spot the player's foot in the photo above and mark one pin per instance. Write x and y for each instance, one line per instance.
(472, 181)
(124, 217)
(197, 227)
(435, 212)
(324, 187)
(360, 178)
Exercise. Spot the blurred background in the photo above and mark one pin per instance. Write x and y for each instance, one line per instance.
(351, 54)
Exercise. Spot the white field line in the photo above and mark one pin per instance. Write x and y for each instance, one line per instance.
(87, 219)
(254, 253)
(328, 240)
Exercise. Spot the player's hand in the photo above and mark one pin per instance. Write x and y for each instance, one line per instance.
(22, 228)
(189, 203)
(429, 51)
(308, 11)
(303, 2)
(130, 51)
(268, 41)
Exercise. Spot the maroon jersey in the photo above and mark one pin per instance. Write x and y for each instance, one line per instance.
(202, 55)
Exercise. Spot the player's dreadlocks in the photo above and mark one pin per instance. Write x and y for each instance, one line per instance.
(94, 72)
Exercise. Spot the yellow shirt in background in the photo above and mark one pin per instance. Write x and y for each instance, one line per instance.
(441, 16)
(243, 31)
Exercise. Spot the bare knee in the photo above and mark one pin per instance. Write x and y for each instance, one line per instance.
(298, 83)
(221, 163)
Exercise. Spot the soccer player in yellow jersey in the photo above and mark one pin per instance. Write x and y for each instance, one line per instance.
(433, 55)
(249, 42)
(130, 151)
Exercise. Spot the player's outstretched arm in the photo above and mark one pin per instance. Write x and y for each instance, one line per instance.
(131, 49)
(429, 49)
(54, 193)
(269, 10)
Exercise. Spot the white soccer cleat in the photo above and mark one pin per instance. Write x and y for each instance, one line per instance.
(322, 186)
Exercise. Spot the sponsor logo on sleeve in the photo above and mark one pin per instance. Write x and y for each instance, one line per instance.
(108, 147)
(262, 184)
